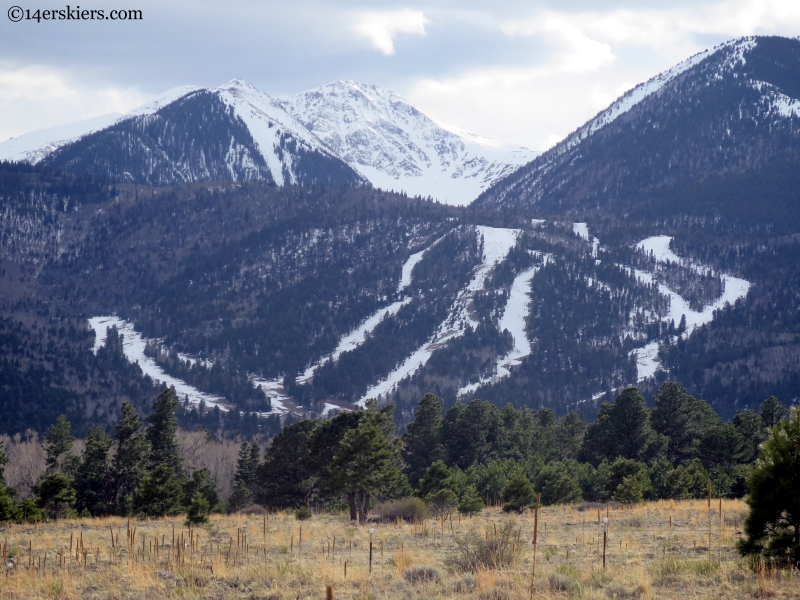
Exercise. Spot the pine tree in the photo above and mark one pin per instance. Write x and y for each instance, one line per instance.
(623, 429)
(241, 497)
(421, 442)
(56, 496)
(197, 514)
(8, 508)
(202, 483)
(58, 446)
(368, 461)
(92, 473)
(160, 493)
(629, 491)
(772, 528)
(245, 469)
(129, 465)
(519, 492)
(162, 433)
(471, 502)
(438, 477)
(772, 411)
(285, 477)
(682, 419)
(255, 461)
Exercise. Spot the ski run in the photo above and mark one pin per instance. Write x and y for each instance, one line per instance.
(497, 243)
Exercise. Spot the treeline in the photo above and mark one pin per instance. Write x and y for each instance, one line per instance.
(139, 471)
(477, 453)
(472, 455)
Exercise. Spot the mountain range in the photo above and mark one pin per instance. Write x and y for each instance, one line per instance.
(343, 133)
(247, 251)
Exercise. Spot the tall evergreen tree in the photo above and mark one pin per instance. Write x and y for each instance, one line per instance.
(92, 474)
(751, 425)
(772, 411)
(475, 436)
(422, 440)
(622, 429)
(324, 444)
(58, 446)
(568, 433)
(245, 467)
(682, 419)
(285, 477)
(162, 433)
(773, 526)
(160, 493)
(368, 462)
(129, 464)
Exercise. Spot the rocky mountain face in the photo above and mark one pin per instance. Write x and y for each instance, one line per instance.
(398, 147)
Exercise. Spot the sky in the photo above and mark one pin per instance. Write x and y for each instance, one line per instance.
(527, 72)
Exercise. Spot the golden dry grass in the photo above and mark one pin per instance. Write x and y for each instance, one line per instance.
(647, 557)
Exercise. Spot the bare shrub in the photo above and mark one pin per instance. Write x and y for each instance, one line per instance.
(200, 450)
(25, 462)
(408, 509)
(475, 552)
(422, 574)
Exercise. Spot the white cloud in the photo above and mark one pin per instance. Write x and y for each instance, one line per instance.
(380, 28)
(40, 97)
(576, 51)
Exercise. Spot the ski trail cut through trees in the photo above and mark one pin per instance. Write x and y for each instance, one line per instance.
(497, 243)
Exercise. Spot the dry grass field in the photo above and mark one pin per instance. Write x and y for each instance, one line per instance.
(655, 550)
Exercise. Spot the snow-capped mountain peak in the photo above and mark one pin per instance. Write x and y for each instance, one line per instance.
(397, 146)
(344, 132)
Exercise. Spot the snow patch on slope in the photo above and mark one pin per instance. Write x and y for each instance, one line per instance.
(734, 288)
(133, 345)
(514, 320)
(497, 243)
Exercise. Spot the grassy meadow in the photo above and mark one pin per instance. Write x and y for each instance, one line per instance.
(654, 550)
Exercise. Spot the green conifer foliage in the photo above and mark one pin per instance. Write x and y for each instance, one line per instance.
(160, 493)
(629, 491)
(129, 465)
(519, 492)
(198, 510)
(201, 482)
(368, 461)
(91, 477)
(772, 528)
(471, 502)
(772, 411)
(162, 433)
(58, 446)
(56, 496)
(241, 497)
(422, 440)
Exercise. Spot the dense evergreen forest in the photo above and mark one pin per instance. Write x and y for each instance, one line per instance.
(464, 458)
